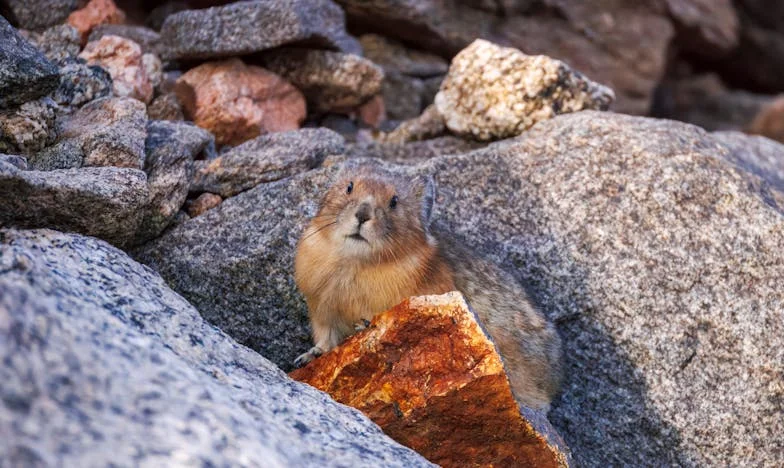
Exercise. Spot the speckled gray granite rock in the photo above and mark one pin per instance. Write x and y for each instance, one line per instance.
(246, 27)
(40, 14)
(122, 371)
(266, 158)
(661, 264)
(104, 202)
(58, 43)
(413, 152)
(81, 83)
(170, 149)
(29, 127)
(105, 132)
(494, 92)
(331, 81)
(756, 154)
(15, 160)
(25, 74)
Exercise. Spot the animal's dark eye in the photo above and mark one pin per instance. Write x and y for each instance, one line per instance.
(393, 202)
(350, 187)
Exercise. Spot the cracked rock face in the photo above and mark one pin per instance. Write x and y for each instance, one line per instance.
(25, 73)
(123, 371)
(494, 92)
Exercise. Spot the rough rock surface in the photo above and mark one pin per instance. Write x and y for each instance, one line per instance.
(170, 148)
(403, 95)
(757, 155)
(122, 58)
(494, 92)
(122, 370)
(165, 107)
(202, 203)
(429, 376)
(265, 159)
(413, 152)
(246, 27)
(660, 264)
(331, 81)
(28, 128)
(147, 39)
(95, 13)
(15, 160)
(58, 43)
(25, 73)
(81, 83)
(428, 125)
(104, 202)
(237, 102)
(106, 132)
(39, 14)
(392, 55)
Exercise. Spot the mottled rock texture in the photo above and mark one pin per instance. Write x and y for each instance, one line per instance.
(331, 81)
(494, 92)
(757, 155)
(123, 59)
(237, 102)
(147, 39)
(81, 83)
(202, 203)
(25, 74)
(424, 127)
(246, 27)
(15, 160)
(430, 377)
(413, 152)
(265, 159)
(123, 371)
(58, 43)
(165, 107)
(28, 128)
(93, 14)
(104, 202)
(660, 263)
(39, 14)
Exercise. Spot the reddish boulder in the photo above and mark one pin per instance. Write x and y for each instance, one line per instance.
(427, 373)
(237, 102)
(95, 13)
(132, 73)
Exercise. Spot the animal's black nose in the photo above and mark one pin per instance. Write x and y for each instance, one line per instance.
(363, 213)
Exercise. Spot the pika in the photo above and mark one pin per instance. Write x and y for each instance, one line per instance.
(371, 245)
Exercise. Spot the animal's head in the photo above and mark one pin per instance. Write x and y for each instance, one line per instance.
(372, 215)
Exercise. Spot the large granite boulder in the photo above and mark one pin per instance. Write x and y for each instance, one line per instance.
(123, 371)
(661, 264)
(25, 73)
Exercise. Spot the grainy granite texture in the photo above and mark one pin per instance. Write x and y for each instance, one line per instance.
(148, 40)
(25, 73)
(755, 154)
(123, 371)
(40, 14)
(246, 27)
(265, 159)
(329, 80)
(58, 43)
(28, 128)
(81, 83)
(430, 124)
(661, 264)
(17, 161)
(494, 92)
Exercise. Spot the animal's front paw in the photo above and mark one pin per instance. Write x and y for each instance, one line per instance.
(361, 325)
(305, 358)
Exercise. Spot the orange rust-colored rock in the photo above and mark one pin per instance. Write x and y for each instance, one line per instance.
(95, 13)
(431, 378)
(203, 203)
(373, 112)
(124, 61)
(237, 102)
(770, 121)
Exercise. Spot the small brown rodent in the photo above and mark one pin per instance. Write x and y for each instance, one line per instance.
(370, 246)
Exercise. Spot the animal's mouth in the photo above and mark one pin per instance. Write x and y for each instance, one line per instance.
(357, 237)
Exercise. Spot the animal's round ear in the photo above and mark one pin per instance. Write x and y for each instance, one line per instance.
(425, 193)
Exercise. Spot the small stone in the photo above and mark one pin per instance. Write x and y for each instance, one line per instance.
(122, 58)
(428, 125)
(147, 39)
(494, 92)
(81, 83)
(331, 81)
(25, 73)
(394, 56)
(373, 112)
(29, 128)
(203, 203)
(402, 95)
(17, 161)
(95, 13)
(165, 107)
(59, 43)
(265, 159)
(153, 68)
(39, 14)
(247, 27)
(237, 102)
(429, 376)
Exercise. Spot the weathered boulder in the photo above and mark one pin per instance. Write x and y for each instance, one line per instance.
(122, 370)
(755, 154)
(204, 202)
(15, 160)
(25, 74)
(660, 263)
(28, 128)
(331, 81)
(147, 39)
(264, 159)
(58, 43)
(94, 14)
(414, 152)
(124, 61)
(81, 83)
(165, 107)
(394, 56)
(39, 14)
(494, 92)
(104, 202)
(246, 27)
(237, 102)
(427, 373)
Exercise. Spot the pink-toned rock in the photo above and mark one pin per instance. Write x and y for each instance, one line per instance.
(124, 61)
(204, 202)
(237, 102)
(95, 13)
(373, 112)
